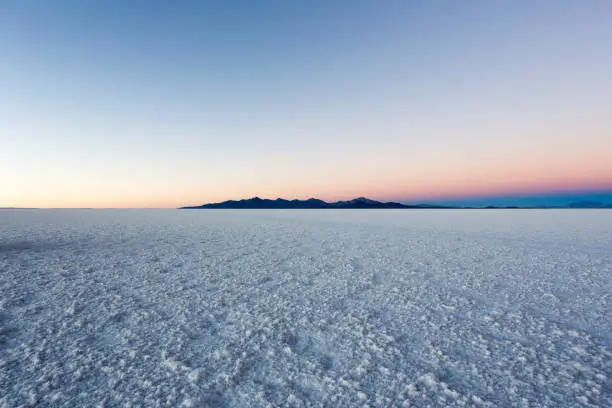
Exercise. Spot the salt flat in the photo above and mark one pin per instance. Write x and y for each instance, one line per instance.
(486, 308)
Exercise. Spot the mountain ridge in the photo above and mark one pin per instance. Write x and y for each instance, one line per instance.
(311, 203)
(366, 203)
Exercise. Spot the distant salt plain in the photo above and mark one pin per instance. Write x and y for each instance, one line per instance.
(348, 308)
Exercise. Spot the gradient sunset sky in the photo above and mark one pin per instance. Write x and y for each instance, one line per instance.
(163, 104)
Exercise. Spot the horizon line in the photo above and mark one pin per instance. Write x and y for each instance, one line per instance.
(446, 200)
(553, 193)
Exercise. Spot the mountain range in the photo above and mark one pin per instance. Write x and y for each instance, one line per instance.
(311, 203)
(363, 203)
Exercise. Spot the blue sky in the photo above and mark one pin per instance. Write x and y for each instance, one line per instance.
(151, 103)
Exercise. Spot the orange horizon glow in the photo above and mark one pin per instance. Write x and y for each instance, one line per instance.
(418, 192)
(391, 181)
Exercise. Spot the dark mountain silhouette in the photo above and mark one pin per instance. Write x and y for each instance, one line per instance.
(312, 203)
(366, 203)
(363, 202)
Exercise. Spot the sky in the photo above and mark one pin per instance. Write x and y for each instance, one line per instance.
(163, 104)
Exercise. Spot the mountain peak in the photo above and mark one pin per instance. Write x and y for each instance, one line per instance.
(364, 200)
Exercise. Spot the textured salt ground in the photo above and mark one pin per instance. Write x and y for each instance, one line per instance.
(305, 308)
